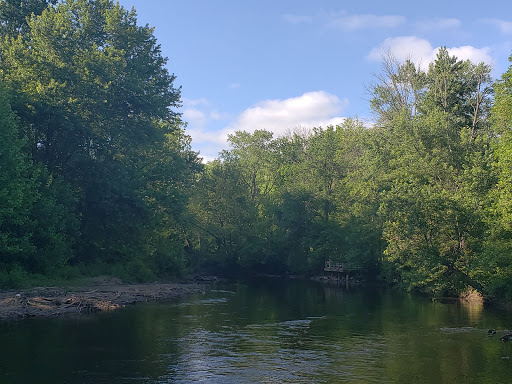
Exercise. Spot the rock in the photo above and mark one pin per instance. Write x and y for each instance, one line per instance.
(506, 337)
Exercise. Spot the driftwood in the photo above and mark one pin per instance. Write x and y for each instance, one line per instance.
(58, 301)
(80, 303)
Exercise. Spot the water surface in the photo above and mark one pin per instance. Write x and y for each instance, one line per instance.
(271, 331)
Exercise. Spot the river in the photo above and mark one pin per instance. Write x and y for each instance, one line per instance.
(266, 331)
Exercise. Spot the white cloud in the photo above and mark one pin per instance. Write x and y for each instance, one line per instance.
(199, 114)
(503, 25)
(309, 110)
(408, 47)
(476, 55)
(357, 22)
(345, 21)
(195, 102)
(438, 24)
(194, 116)
(312, 109)
(421, 52)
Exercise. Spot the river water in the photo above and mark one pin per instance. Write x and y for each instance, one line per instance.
(270, 331)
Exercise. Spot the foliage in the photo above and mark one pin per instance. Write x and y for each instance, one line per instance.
(105, 152)
(18, 190)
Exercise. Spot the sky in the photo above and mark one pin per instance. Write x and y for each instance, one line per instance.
(285, 64)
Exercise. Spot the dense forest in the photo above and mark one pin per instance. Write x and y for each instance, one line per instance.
(97, 175)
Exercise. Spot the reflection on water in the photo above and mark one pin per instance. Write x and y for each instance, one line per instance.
(475, 310)
(270, 331)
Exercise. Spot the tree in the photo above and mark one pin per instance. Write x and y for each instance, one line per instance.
(95, 81)
(97, 106)
(496, 263)
(431, 202)
(399, 87)
(38, 223)
(461, 89)
(324, 170)
(253, 153)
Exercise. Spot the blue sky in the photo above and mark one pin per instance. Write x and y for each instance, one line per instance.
(283, 64)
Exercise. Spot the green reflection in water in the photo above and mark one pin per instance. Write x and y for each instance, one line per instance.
(265, 332)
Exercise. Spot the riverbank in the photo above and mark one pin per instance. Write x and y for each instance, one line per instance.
(97, 295)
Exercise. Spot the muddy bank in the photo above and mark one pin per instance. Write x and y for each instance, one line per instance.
(104, 296)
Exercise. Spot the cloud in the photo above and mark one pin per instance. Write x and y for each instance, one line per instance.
(348, 22)
(195, 102)
(438, 24)
(421, 52)
(199, 115)
(312, 109)
(503, 25)
(309, 110)
(475, 55)
(358, 22)
(194, 116)
(403, 48)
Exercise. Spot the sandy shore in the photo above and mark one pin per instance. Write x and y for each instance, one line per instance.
(105, 295)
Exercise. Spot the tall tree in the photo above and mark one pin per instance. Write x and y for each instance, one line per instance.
(496, 262)
(431, 207)
(461, 89)
(97, 105)
(399, 87)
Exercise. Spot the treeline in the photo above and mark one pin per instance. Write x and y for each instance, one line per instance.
(97, 175)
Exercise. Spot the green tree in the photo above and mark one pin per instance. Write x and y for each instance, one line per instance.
(496, 262)
(253, 154)
(18, 190)
(96, 103)
(461, 89)
(400, 86)
(431, 202)
(95, 81)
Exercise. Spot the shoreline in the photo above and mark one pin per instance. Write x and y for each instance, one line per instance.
(105, 293)
(86, 299)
